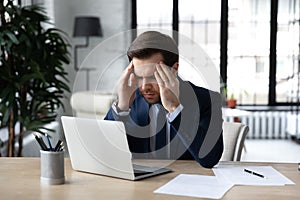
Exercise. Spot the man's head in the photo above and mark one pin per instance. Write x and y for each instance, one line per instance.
(147, 50)
(151, 42)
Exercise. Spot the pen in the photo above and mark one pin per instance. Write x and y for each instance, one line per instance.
(61, 147)
(254, 173)
(40, 141)
(48, 139)
(43, 143)
(57, 146)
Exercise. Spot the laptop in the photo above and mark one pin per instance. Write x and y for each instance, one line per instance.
(101, 147)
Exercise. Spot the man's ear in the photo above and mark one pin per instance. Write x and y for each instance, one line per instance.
(176, 66)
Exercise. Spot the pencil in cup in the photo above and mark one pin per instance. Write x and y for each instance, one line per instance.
(59, 146)
(41, 142)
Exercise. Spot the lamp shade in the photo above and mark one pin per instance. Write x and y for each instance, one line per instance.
(87, 26)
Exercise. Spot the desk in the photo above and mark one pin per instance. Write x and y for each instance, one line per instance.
(20, 179)
(229, 114)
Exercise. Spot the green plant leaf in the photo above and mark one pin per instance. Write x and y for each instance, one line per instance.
(11, 36)
(33, 79)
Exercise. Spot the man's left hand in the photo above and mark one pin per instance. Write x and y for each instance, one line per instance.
(168, 85)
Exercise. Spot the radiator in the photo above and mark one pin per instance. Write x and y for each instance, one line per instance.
(265, 124)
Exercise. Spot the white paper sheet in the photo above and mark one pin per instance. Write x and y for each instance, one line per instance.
(237, 176)
(196, 186)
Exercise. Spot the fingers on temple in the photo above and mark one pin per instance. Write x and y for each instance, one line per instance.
(132, 81)
(158, 78)
(170, 74)
(128, 71)
(162, 72)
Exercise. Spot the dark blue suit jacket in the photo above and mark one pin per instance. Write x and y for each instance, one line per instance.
(196, 133)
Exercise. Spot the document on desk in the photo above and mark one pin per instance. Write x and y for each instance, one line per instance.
(196, 186)
(263, 175)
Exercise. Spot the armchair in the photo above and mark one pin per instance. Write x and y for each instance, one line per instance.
(234, 135)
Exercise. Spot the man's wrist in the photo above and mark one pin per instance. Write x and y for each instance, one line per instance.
(173, 107)
(171, 116)
(122, 106)
(118, 110)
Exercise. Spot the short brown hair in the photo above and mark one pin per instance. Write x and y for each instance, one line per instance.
(151, 42)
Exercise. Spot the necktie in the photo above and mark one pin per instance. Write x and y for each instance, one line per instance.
(158, 136)
(153, 114)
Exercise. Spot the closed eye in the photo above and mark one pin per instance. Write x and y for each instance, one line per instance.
(146, 77)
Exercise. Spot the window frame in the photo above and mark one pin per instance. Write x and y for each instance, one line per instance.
(224, 46)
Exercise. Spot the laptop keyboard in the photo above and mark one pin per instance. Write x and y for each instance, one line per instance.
(140, 172)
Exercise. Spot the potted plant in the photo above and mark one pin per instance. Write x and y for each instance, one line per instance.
(32, 78)
(231, 101)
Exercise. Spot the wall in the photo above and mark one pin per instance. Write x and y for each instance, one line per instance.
(115, 18)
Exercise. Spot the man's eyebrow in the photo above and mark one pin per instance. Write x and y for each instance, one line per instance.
(137, 75)
(142, 76)
(134, 72)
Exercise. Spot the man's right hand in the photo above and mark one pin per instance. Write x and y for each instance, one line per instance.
(126, 88)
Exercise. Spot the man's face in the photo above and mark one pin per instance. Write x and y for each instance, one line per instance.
(144, 74)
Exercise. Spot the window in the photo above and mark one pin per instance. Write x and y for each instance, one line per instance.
(200, 21)
(250, 43)
(199, 28)
(155, 14)
(288, 51)
(248, 50)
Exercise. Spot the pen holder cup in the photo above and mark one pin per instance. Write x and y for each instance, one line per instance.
(52, 167)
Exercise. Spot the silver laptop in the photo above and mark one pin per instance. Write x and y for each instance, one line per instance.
(100, 147)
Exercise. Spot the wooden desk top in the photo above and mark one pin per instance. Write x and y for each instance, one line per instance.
(20, 179)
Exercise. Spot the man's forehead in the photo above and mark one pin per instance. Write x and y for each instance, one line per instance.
(144, 70)
(145, 67)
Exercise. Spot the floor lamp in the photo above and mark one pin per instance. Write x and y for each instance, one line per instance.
(85, 26)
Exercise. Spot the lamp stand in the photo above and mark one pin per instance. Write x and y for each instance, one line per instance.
(75, 52)
(76, 63)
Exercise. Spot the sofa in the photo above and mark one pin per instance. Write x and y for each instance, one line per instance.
(91, 104)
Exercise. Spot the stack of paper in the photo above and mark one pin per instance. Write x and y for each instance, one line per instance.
(196, 186)
(237, 175)
(226, 177)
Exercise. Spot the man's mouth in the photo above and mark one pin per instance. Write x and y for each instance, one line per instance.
(149, 95)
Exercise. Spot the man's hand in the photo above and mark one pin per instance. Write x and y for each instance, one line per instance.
(126, 88)
(168, 85)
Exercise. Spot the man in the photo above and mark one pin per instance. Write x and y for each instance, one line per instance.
(166, 117)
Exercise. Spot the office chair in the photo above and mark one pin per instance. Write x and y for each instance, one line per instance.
(234, 135)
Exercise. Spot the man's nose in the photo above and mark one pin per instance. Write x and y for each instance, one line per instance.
(146, 83)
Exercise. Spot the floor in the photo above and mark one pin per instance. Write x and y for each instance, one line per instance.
(271, 151)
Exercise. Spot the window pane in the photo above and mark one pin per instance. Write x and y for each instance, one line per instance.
(199, 21)
(287, 74)
(154, 14)
(248, 50)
